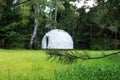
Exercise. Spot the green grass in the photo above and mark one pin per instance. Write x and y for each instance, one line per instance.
(34, 65)
(98, 69)
(17, 64)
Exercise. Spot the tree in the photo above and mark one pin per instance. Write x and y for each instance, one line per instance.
(37, 10)
(106, 16)
(9, 20)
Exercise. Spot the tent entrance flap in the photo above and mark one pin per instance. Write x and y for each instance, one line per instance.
(47, 41)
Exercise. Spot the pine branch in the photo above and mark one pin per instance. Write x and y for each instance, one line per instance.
(73, 56)
(1, 5)
(104, 55)
(21, 3)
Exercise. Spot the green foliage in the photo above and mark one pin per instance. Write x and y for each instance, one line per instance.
(99, 43)
(86, 29)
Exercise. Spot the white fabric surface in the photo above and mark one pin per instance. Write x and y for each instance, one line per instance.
(57, 39)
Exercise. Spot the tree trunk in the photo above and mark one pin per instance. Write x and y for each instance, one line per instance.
(116, 42)
(56, 10)
(32, 41)
(15, 1)
(91, 36)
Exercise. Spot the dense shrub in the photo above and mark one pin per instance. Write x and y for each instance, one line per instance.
(101, 43)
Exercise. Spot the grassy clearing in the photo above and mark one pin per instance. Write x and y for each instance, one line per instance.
(17, 64)
(33, 65)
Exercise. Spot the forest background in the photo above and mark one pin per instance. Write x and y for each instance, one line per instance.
(23, 23)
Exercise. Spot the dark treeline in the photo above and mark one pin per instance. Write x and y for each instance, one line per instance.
(97, 29)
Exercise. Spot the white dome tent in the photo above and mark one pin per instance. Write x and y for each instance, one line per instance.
(57, 39)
